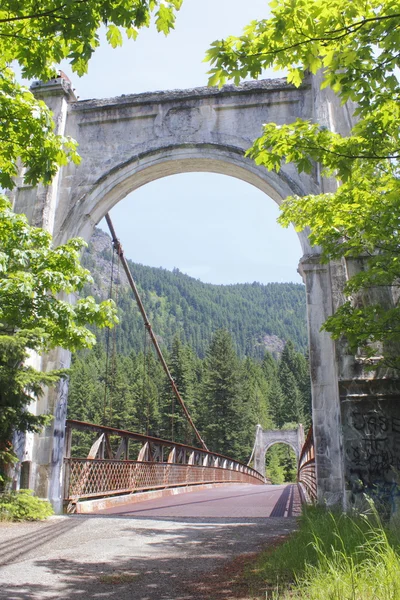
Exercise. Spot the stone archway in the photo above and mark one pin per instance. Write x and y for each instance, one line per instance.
(265, 438)
(129, 141)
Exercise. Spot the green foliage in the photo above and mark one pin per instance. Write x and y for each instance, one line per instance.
(38, 37)
(281, 464)
(181, 364)
(356, 49)
(223, 421)
(212, 339)
(33, 274)
(34, 317)
(227, 396)
(274, 467)
(23, 506)
(179, 304)
(334, 556)
(27, 134)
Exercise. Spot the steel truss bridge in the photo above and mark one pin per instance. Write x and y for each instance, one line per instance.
(110, 470)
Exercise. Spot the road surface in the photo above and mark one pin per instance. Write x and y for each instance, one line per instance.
(157, 552)
(232, 501)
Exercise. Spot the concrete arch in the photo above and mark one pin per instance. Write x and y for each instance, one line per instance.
(129, 141)
(294, 448)
(266, 438)
(166, 161)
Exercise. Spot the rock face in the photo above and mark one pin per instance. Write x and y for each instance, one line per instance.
(273, 344)
(129, 141)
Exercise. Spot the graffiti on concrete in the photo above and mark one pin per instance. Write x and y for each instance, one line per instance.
(373, 452)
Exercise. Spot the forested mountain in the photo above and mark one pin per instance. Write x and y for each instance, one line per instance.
(228, 348)
(260, 317)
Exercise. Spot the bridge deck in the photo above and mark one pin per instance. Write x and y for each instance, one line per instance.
(231, 501)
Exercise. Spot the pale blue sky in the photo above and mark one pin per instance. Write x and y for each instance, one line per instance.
(212, 227)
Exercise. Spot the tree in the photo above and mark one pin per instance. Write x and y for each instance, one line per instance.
(254, 405)
(293, 365)
(181, 366)
(355, 47)
(37, 36)
(222, 418)
(35, 318)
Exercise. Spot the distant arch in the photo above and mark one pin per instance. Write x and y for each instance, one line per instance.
(266, 438)
(285, 443)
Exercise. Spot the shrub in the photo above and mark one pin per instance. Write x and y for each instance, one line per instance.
(23, 506)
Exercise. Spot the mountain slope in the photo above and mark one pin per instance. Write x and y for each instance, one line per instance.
(260, 317)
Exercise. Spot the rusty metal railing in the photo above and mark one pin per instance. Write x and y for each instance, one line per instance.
(306, 477)
(109, 471)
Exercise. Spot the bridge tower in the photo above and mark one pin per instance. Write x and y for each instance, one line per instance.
(265, 438)
(132, 140)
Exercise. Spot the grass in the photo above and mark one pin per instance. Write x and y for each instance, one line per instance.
(333, 556)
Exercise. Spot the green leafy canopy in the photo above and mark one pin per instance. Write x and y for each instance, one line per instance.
(36, 315)
(34, 277)
(356, 48)
(37, 36)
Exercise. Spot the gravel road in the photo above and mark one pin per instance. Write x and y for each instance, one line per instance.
(121, 557)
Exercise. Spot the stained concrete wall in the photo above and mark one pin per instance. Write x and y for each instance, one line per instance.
(129, 141)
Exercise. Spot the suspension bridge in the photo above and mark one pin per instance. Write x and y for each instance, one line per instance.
(122, 463)
(129, 141)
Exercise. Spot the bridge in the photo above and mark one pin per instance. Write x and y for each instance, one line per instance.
(129, 141)
(109, 478)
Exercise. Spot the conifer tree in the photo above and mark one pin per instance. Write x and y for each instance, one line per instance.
(182, 370)
(254, 402)
(221, 396)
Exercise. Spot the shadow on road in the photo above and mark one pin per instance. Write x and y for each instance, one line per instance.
(150, 561)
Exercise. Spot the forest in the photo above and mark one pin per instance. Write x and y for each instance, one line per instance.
(215, 340)
(260, 317)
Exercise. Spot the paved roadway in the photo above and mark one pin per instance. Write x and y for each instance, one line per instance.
(150, 552)
(232, 501)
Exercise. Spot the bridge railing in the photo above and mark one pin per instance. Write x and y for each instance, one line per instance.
(306, 476)
(109, 470)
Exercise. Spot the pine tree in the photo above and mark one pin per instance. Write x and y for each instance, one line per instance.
(223, 418)
(181, 366)
(292, 409)
(293, 377)
(276, 402)
(254, 403)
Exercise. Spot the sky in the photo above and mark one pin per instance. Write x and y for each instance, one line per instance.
(215, 228)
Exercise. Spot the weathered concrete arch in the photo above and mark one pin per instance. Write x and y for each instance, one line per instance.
(286, 443)
(126, 178)
(129, 141)
(266, 438)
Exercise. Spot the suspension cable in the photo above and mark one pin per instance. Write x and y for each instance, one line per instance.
(108, 344)
(114, 363)
(120, 253)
